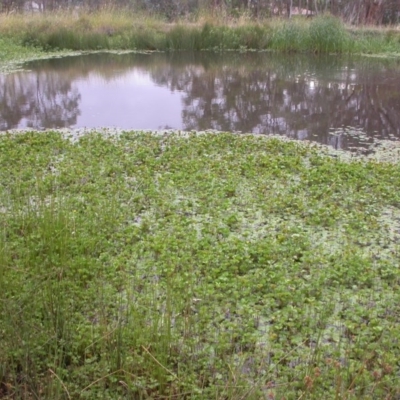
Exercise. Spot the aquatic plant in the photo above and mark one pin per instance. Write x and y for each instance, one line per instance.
(195, 266)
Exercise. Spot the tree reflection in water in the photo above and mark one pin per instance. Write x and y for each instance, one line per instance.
(39, 99)
(303, 97)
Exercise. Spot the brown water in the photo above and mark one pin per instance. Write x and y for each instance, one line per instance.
(334, 100)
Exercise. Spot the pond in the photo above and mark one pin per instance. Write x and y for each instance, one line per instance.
(340, 101)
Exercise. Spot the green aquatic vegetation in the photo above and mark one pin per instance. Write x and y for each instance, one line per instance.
(196, 266)
(13, 53)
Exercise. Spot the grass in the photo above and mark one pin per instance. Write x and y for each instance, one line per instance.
(200, 267)
(123, 30)
(13, 53)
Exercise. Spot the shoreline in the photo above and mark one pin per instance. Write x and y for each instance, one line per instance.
(380, 150)
(115, 31)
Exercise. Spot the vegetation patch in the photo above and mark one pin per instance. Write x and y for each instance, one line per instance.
(196, 267)
(13, 53)
(125, 30)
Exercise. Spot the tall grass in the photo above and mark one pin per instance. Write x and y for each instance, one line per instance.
(115, 29)
(290, 36)
(328, 35)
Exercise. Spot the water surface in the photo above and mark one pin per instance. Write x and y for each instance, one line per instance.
(339, 101)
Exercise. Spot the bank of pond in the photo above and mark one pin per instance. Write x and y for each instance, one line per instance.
(119, 30)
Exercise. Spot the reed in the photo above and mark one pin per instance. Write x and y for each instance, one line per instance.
(328, 35)
(290, 36)
(117, 30)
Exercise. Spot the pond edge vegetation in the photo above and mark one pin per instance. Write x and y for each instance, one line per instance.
(118, 30)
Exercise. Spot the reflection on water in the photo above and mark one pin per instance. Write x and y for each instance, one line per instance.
(299, 96)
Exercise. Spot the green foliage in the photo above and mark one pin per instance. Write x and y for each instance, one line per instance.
(290, 37)
(13, 52)
(328, 35)
(207, 266)
(373, 41)
(117, 30)
(183, 38)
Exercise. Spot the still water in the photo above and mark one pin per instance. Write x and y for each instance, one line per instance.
(339, 101)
